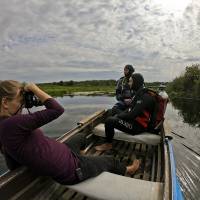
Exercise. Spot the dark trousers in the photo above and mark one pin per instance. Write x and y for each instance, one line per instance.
(130, 127)
(91, 166)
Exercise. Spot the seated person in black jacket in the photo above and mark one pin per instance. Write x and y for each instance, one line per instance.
(135, 119)
(124, 93)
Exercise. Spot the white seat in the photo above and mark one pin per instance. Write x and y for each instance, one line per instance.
(108, 186)
(146, 137)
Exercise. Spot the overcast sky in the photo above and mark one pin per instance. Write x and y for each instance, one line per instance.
(53, 40)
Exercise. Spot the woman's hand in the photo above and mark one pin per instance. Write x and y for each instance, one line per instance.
(32, 87)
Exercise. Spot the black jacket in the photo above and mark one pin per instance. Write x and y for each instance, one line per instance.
(142, 101)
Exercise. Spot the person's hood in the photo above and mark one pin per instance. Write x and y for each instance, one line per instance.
(138, 81)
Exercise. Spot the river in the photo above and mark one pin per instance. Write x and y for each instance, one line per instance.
(183, 118)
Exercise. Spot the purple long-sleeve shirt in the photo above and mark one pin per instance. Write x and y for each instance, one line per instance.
(23, 141)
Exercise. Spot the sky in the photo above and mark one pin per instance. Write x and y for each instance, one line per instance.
(48, 40)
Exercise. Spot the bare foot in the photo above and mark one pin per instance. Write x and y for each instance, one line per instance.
(131, 169)
(104, 147)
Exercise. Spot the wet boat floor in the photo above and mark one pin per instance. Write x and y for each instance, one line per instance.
(150, 168)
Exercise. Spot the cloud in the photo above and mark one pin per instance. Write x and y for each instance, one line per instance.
(41, 40)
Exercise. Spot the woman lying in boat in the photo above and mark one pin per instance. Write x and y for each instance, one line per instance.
(23, 143)
(135, 120)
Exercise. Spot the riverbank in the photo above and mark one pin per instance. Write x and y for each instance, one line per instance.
(95, 87)
(72, 88)
(56, 90)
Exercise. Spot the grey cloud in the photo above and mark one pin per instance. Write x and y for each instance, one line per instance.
(46, 39)
(198, 18)
(192, 59)
(87, 64)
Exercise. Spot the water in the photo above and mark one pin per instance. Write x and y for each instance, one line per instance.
(184, 119)
(186, 135)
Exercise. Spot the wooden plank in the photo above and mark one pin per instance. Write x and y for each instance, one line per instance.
(125, 158)
(123, 151)
(88, 149)
(137, 151)
(30, 190)
(143, 148)
(158, 176)
(51, 193)
(117, 149)
(91, 150)
(68, 195)
(94, 115)
(167, 175)
(153, 165)
(79, 196)
(131, 155)
(14, 181)
(147, 167)
(48, 193)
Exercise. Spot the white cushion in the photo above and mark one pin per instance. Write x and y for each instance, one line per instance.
(146, 137)
(108, 186)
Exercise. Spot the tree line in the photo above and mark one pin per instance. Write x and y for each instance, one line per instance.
(86, 83)
(187, 85)
(83, 83)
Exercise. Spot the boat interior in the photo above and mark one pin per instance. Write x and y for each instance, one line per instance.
(146, 183)
(151, 181)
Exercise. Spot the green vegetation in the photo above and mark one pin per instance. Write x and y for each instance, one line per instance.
(187, 85)
(93, 87)
(70, 87)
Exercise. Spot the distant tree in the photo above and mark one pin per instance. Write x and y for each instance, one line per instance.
(60, 83)
(188, 84)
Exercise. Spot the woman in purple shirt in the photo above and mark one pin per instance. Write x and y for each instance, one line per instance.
(23, 143)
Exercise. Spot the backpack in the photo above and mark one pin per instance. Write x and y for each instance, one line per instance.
(157, 117)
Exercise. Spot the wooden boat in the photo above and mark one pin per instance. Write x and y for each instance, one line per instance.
(155, 180)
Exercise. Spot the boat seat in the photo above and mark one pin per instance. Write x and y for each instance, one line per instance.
(144, 138)
(109, 186)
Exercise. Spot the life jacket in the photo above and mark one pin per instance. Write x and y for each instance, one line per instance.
(123, 88)
(144, 119)
(152, 120)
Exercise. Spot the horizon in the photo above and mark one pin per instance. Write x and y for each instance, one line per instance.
(94, 80)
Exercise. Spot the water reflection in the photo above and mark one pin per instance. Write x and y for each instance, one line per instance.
(76, 108)
(189, 110)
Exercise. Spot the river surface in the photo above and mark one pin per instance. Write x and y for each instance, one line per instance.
(183, 118)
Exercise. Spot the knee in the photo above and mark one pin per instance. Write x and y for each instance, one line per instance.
(110, 121)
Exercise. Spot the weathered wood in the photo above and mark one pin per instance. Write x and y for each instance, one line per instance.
(14, 181)
(153, 165)
(38, 184)
(69, 194)
(158, 176)
(167, 175)
(146, 175)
